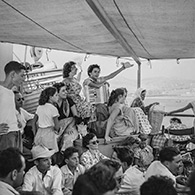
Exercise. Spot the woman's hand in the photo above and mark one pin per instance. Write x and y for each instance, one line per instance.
(107, 139)
(126, 65)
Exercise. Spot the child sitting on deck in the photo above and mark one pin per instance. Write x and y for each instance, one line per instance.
(144, 154)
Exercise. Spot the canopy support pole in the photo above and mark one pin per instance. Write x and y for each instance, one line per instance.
(139, 76)
(103, 16)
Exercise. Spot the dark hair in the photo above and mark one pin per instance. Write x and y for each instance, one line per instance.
(13, 66)
(69, 152)
(10, 159)
(160, 185)
(84, 186)
(98, 180)
(58, 86)
(91, 67)
(143, 137)
(129, 141)
(111, 164)
(102, 175)
(168, 153)
(67, 68)
(87, 138)
(115, 94)
(124, 154)
(45, 94)
(16, 92)
(176, 120)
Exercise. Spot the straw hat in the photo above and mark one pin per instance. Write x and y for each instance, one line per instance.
(40, 151)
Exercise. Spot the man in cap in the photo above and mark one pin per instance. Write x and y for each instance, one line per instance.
(43, 177)
(12, 165)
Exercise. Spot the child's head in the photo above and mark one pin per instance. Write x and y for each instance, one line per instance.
(71, 157)
(175, 121)
(49, 94)
(143, 138)
(123, 154)
(131, 141)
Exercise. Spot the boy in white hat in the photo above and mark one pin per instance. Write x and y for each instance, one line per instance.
(43, 177)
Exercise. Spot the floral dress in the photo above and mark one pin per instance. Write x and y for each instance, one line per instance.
(85, 109)
(89, 159)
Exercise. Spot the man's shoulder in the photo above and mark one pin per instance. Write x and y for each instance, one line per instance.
(7, 189)
(55, 169)
(32, 171)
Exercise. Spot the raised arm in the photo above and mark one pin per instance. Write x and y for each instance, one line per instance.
(110, 122)
(113, 74)
(104, 79)
(181, 109)
(79, 76)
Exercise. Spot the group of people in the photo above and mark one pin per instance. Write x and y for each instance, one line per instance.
(92, 173)
(54, 128)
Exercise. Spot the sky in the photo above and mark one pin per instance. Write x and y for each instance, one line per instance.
(157, 68)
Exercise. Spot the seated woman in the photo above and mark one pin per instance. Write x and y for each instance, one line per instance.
(92, 155)
(122, 120)
(138, 101)
(85, 110)
(67, 111)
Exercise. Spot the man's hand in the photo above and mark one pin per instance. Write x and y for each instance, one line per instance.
(3, 128)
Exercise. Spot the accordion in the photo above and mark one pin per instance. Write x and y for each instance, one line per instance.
(97, 95)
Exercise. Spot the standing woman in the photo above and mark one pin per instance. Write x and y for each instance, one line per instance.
(84, 109)
(47, 118)
(138, 101)
(67, 114)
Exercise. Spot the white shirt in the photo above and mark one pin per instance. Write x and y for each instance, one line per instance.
(46, 113)
(8, 109)
(49, 185)
(6, 189)
(133, 178)
(157, 168)
(23, 117)
(69, 178)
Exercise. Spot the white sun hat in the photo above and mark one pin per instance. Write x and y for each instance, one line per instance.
(40, 151)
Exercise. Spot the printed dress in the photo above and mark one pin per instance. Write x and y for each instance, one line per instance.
(85, 109)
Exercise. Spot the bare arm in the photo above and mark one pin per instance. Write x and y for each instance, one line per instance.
(110, 76)
(110, 122)
(56, 123)
(79, 76)
(74, 110)
(113, 74)
(34, 124)
(181, 109)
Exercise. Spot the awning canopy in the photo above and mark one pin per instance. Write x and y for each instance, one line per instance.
(152, 29)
